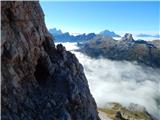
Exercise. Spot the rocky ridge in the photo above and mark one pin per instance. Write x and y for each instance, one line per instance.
(143, 52)
(39, 80)
(67, 37)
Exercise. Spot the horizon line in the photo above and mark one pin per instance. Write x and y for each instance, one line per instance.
(99, 1)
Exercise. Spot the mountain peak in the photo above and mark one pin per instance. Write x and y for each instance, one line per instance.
(55, 31)
(109, 33)
(127, 37)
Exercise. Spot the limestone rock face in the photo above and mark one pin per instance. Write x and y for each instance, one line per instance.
(39, 80)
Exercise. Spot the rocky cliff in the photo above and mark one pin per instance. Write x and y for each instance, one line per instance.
(40, 81)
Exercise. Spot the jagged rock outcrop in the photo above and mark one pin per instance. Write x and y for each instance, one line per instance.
(118, 116)
(40, 81)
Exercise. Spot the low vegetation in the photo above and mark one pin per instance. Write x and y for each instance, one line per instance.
(126, 113)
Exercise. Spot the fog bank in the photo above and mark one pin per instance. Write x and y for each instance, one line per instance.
(121, 81)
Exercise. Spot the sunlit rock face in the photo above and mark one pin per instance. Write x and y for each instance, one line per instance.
(143, 52)
(40, 81)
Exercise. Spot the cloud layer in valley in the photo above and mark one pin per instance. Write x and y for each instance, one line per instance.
(121, 81)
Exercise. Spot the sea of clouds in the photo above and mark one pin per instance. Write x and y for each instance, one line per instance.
(121, 81)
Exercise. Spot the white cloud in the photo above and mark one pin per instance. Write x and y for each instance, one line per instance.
(121, 81)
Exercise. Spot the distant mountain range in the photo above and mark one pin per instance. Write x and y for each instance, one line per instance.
(67, 37)
(144, 52)
(55, 32)
(109, 33)
(148, 35)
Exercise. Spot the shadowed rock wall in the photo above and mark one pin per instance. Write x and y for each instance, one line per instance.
(40, 81)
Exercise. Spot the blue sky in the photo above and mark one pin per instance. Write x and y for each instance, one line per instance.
(86, 17)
